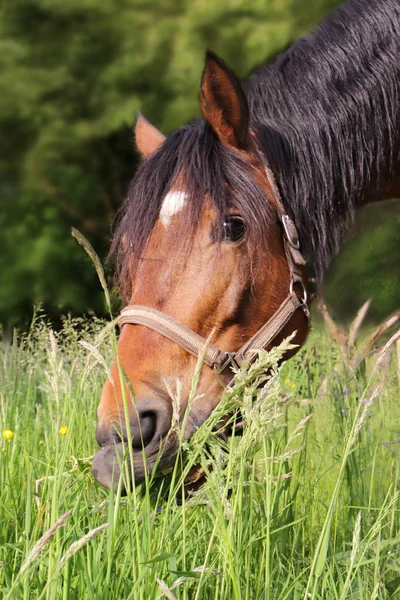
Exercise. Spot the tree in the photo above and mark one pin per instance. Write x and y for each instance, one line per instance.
(72, 76)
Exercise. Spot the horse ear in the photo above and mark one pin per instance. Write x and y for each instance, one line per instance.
(148, 139)
(223, 103)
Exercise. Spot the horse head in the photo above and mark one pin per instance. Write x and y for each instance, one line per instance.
(203, 240)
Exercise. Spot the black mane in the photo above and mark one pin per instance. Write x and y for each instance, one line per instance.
(327, 115)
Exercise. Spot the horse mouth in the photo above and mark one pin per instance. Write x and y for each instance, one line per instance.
(116, 461)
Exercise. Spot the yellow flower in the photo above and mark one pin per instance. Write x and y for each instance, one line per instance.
(8, 434)
(63, 430)
(293, 385)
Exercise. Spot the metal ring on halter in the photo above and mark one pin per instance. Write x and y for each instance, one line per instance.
(228, 360)
(303, 299)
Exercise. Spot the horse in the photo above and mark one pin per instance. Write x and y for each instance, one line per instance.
(226, 217)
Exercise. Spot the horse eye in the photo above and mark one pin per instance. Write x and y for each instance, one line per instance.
(233, 229)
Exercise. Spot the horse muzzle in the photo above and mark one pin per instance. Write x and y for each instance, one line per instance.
(150, 439)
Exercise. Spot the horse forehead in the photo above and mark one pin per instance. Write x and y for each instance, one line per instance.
(173, 202)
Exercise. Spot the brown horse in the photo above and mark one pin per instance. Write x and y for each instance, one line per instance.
(213, 232)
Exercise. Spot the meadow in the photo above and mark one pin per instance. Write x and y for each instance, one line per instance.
(304, 504)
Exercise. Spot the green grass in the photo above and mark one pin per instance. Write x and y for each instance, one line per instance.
(303, 505)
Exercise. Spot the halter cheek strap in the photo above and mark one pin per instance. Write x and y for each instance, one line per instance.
(214, 357)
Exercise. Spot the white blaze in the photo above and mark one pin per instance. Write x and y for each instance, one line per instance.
(173, 202)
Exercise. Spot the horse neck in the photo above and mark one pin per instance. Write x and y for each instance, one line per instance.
(328, 116)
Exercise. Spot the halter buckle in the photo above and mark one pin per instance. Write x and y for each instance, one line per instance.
(290, 231)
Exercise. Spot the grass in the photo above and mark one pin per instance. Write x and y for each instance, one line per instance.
(303, 505)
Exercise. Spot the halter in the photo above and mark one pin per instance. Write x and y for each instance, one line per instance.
(195, 344)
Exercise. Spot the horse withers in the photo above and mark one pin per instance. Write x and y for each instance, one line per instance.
(220, 214)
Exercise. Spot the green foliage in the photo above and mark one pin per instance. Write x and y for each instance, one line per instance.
(72, 76)
(368, 265)
(304, 504)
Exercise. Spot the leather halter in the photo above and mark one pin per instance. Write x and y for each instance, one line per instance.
(196, 344)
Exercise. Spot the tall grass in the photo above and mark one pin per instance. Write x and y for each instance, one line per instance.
(303, 505)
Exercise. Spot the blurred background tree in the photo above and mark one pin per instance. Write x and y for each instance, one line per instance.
(72, 76)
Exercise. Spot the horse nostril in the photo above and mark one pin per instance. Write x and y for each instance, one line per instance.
(144, 432)
(103, 435)
(150, 421)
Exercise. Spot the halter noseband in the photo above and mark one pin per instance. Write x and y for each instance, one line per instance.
(214, 357)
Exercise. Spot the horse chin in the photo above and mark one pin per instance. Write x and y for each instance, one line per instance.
(108, 461)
